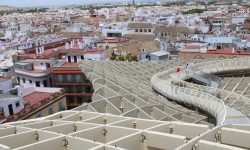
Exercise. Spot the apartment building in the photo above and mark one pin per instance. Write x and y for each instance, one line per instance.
(141, 28)
(173, 32)
(5, 84)
(41, 102)
(31, 102)
(78, 88)
(35, 72)
(10, 105)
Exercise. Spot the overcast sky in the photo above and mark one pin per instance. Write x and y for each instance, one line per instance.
(31, 3)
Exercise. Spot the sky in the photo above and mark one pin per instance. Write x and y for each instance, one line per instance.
(32, 3)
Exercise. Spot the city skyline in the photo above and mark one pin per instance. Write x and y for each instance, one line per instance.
(34, 3)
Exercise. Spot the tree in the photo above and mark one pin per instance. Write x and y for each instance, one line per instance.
(113, 56)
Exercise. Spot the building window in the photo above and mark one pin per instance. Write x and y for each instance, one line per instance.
(82, 57)
(69, 59)
(1, 110)
(81, 89)
(18, 79)
(17, 104)
(145, 30)
(37, 83)
(78, 78)
(88, 89)
(136, 30)
(60, 78)
(47, 65)
(75, 58)
(149, 30)
(23, 80)
(71, 100)
(50, 81)
(79, 100)
(30, 81)
(69, 89)
(50, 110)
(45, 84)
(140, 30)
(41, 63)
(69, 78)
(60, 105)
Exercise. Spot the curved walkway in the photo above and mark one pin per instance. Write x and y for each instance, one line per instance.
(215, 101)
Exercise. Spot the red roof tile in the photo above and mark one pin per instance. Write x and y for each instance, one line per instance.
(36, 97)
(67, 72)
(227, 51)
(69, 64)
(2, 79)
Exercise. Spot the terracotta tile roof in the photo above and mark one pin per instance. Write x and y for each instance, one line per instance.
(134, 47)
(69, 64)
(140, 25)
(95, 52)
(62, 71)
(36, 97)
(246, 26)
(2, 79)
(227, 51)
(140, 37)
(110, 40)
(173, 29)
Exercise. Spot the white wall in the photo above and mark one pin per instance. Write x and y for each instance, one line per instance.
(26, 90)
(6, 85)
(94, 56)
(27, 78)
(7, 101)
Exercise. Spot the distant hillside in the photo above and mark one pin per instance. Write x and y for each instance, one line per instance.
(3, 8)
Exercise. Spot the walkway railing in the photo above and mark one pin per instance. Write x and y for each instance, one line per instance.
(171, 84)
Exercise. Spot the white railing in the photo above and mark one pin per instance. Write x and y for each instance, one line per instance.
(177, 89)
(41, 73)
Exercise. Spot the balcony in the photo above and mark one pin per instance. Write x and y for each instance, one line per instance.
(33, 73)
(74, 83)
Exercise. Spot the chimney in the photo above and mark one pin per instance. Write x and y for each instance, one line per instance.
(71, 44)
(66, 45)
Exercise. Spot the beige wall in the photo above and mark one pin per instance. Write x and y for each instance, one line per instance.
(45, 111)
(103, 45)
